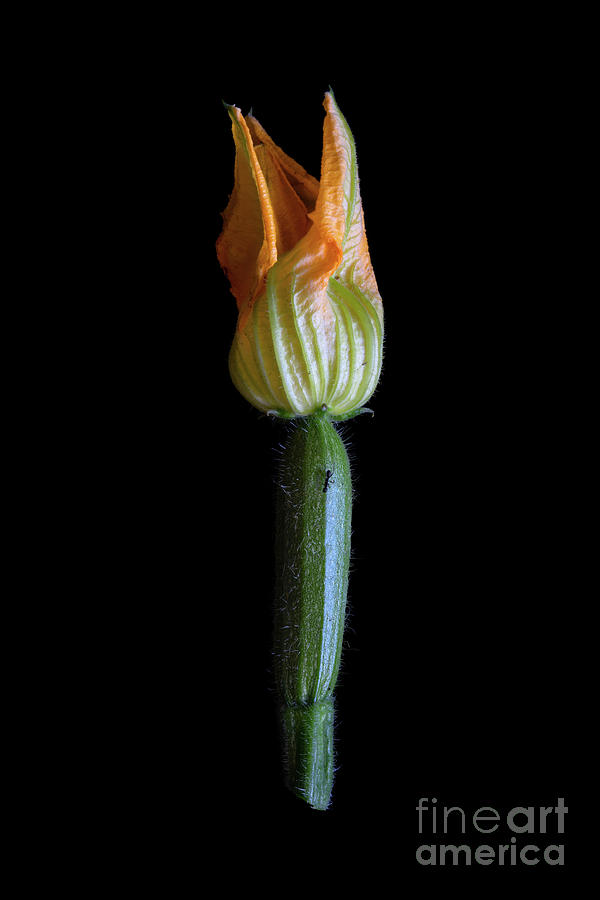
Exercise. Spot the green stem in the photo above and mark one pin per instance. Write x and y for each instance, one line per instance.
(314, 506)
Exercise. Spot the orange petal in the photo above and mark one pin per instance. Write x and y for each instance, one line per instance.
(304, 184)
(305, 271)
(337, 220)
(291, 218)
(337, 182)
(340, 203)
(247, 245)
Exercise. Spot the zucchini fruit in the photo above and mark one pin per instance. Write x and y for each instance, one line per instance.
(314, 508)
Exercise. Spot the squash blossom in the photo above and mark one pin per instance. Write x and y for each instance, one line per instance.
(307, 347)
(310, 322)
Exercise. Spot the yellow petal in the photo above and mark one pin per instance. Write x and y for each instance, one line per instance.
(247, 245)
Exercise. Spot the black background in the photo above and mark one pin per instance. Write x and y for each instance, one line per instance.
(460, 666)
